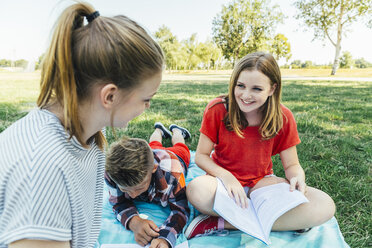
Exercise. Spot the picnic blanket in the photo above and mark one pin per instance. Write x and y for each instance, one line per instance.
(112, 232)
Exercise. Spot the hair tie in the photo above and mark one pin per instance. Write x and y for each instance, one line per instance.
(92, 16)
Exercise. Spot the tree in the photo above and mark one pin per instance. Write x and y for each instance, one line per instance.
(330, 18)
(21, 63)
(245, 26)
(170, 45)
(5, 63)
(346, 60)
(191, 45)
(362, 63)
(296, 63)
(208, 54)
(39, 61)
(307, 64)
(280, 47)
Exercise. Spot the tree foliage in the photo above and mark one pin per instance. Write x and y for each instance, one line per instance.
(280, 47)
(245, 26)
(329, 19)
(187, 54)
(346, 60)
(362, 63)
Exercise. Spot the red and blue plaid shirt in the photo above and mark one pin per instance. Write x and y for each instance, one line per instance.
(167, 187)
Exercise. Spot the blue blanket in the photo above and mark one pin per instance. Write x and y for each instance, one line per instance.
(112, 232)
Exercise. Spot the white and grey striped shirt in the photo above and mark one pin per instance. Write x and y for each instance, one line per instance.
(50, 188)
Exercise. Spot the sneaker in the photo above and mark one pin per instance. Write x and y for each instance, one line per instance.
(185, 133)
(166, 134)
(204, 225)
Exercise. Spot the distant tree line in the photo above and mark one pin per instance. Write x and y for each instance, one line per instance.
(19, 63)
(246, 26)
(345, 61)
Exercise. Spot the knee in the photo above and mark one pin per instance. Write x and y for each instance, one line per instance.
(330, 207)
(200, 190)
(326, 208)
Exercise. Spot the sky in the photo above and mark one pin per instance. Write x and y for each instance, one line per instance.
(25, 26)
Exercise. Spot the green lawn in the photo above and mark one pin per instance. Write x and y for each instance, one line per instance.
(334, 122)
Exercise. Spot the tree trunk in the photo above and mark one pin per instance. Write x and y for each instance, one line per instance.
(337, 56)
(338, 43)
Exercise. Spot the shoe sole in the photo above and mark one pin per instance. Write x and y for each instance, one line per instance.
(166, 133)
(185, 133)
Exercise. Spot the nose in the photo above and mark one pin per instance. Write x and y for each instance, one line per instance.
(247, 95)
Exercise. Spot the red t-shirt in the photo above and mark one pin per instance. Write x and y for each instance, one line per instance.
(248, 158)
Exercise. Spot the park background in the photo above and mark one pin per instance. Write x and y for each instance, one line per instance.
(333, 113)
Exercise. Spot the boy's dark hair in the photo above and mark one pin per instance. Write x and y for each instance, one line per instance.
(128, 161)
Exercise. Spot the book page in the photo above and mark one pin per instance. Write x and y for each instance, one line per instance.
(243, 219)
(272, 201)
(182, 245)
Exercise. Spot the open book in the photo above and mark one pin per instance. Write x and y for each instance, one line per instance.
(265, 206)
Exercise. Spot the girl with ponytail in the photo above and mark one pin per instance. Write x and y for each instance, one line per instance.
(98, 73)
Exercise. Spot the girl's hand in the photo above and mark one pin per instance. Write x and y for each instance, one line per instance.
(297, 182)
(235, 189)
(293, 170)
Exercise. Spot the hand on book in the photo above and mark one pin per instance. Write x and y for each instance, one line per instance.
(144, 230)
(298, 183)
(235, 189)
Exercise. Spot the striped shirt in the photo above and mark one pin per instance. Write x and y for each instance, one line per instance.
(167, 187)
(50, 188)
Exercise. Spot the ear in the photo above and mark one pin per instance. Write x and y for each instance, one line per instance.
(108, 95)
(272, 90)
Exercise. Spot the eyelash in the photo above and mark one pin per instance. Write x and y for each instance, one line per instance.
(243, 86)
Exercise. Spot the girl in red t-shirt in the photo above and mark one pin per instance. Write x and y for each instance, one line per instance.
(245, 129)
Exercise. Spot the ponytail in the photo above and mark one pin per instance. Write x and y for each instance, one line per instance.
(115, 50)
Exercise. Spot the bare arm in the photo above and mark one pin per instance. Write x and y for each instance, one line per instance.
(293, 170)
(29, 243)
(204, 161)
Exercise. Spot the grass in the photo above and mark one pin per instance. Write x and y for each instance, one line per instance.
(334, 123)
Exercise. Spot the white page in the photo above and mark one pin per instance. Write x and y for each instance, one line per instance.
(272, 201)
(182, 245)
(243, 219)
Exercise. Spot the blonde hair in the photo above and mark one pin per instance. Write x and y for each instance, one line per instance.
(107, 50)
(272, 120)
(128, 161)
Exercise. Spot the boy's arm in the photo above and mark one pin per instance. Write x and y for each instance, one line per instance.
(122, 206)
(180, 213)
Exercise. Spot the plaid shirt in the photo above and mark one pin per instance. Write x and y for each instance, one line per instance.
(167, 187)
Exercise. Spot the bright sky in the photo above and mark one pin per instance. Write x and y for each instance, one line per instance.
(25, 26)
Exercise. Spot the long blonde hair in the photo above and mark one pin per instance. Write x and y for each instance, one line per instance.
(107, 50)
(272, 120)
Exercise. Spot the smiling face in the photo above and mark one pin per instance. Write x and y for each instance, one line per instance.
(251, 92)
(137, 101)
